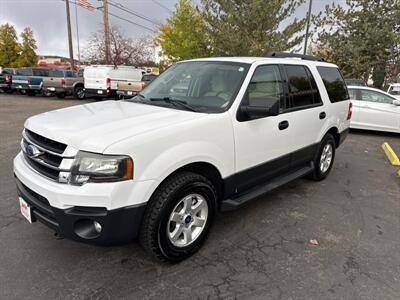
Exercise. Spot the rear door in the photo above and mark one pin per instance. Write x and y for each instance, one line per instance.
(308, 113)
(377, 111)
(96, 78)
(54, 79)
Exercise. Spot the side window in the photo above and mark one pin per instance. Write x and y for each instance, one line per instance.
(314, 87)
(300, 86)
(372, 96)
(334, 84)
(265, 87)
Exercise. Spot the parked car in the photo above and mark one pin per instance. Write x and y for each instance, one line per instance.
(159, 166)
(29, 80)
(64, 83)
(394, 90)
(102, 80)
(6, 81)
(130, 87)
(355, 82)
(374, 109)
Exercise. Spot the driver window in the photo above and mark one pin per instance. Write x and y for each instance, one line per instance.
(265, 87)
(372, 96)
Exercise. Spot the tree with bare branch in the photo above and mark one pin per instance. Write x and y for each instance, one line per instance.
(123, 50)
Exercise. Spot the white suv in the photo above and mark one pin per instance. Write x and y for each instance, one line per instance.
(207, 135)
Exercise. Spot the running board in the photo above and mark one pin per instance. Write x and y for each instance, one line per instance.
(234, 203)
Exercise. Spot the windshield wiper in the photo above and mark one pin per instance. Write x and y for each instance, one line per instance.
(176, 103)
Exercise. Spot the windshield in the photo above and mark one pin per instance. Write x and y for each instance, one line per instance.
(207, 86)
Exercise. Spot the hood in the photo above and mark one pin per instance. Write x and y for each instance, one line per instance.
(95, 126)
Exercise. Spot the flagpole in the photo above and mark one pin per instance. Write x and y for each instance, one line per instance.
(77, 33)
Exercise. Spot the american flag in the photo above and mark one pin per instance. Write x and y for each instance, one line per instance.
(85, 4)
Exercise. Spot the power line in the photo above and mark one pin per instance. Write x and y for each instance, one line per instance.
(132, 12)
(129, 21)
(162, 5)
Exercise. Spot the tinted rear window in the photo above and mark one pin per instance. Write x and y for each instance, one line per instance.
(25, 72)
(334, 84)
(56, 73)
(302, 87)
(41, 72)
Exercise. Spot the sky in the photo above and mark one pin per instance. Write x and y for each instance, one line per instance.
(47, 18)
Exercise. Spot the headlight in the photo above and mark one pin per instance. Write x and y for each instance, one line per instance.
(92, 167)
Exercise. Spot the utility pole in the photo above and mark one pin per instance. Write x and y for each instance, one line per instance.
(71, 51)
(307, 28)
(106, 32)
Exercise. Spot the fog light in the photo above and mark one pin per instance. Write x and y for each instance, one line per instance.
(87, 228)
(97, 226)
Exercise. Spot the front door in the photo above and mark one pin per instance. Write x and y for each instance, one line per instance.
(377, 111)
(262, 145)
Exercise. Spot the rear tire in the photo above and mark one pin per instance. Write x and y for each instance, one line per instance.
(79, 93)
(178, 217)
(31, 93)
(61, 95)
(324, 159)
(8, 90)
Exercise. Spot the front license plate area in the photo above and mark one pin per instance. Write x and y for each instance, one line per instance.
(25, 209)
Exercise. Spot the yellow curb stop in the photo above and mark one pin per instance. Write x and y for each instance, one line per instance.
(391, 155)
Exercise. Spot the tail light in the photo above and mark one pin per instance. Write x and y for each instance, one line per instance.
(8, 79)
(350, 111)
(63, 82)
(108, 84)
(142, 85)
(29, 80)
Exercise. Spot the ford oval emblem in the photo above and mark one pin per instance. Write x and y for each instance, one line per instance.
(33, 151)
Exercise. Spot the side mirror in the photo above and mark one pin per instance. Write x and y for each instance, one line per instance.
(396, 102)
(255, 112)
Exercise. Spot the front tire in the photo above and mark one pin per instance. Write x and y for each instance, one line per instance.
(324, 159)
(178, 217)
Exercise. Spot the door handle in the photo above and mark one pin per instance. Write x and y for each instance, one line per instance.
(322, 115)
(283, 125)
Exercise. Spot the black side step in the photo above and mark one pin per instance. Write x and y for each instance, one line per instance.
(234, 203)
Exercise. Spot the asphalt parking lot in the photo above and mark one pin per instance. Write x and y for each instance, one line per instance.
(259, 252)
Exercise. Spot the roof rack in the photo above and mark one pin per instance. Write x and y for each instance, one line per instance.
(294, 55)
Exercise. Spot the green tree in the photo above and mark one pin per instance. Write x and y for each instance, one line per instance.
(253, 27)
(361, 37)
(9, 47)
(27, 57)
(184, 35)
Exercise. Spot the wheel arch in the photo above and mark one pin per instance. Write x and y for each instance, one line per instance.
(334, 131)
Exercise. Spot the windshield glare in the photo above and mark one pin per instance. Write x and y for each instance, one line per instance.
(207, 85)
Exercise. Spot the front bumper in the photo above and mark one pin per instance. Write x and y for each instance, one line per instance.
(77, 223)
(67, 209)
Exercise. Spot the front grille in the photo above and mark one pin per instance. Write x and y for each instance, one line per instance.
(48, 158)
(45, 143)
(40, 206)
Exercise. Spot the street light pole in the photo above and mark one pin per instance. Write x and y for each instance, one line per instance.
(71, 51)
(307, 28)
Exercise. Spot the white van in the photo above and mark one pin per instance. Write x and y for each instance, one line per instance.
(102, 80)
